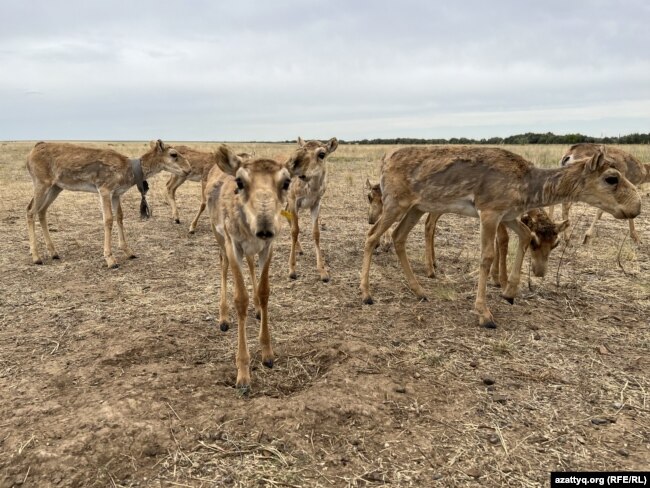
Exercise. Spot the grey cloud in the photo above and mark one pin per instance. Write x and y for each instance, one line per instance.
(252, 70)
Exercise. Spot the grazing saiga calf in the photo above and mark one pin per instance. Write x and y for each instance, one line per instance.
(201, 163)
(58, 166)
(544, 238)
(636, 172)
(306, 192)
(245, 200)
(494, 185)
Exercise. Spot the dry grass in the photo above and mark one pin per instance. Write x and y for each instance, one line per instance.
(122, 378)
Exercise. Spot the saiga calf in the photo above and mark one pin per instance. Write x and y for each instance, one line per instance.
(58, 166)
(245, 199)
(494, 185)
(201, 162)
(306, 192)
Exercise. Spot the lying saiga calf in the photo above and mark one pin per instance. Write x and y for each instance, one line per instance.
(57, 166)
(201, 163)
(544, 238)
(494, 185)
(636, 172)
(306, 192)
(245, 199)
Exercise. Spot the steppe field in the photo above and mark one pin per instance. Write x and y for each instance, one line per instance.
(121, 378)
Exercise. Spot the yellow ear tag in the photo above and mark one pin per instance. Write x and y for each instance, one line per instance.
(287, 215)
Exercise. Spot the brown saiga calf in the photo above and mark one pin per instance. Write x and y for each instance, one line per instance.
(306, 192)
(494, 185)
(636, 172)
(57, 166)
(201, 162)
(245, 199)
(376, 208)
(544, 238)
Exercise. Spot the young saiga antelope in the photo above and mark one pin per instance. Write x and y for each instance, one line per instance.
(245, 199)
(306, 192)
(544, 238)
(57, 166)
(201, 163)
(494, 185)
(636, 172)
(375, 208)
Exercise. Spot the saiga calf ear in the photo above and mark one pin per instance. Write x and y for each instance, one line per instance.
(158, 145)
(561, 226)
(301, 143)
(368, 184)
(332, 144)
(596, 161)
(535, 241)
(227, 160)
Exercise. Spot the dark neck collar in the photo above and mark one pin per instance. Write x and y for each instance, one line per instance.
(138, 175)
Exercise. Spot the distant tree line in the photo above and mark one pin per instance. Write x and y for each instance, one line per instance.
(527, 138)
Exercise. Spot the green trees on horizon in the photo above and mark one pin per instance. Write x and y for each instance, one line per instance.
(527, 138)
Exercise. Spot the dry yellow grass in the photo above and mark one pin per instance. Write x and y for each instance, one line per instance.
(122, 378)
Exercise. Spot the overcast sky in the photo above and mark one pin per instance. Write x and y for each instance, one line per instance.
(272, 70)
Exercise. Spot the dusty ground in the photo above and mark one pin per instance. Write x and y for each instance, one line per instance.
(122, 378)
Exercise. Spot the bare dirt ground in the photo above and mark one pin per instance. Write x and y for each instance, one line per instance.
(122, 377)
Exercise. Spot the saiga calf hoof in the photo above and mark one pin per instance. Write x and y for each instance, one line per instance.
(224, 326)
(490, 324)
(293, 276)
(268, 363)
(243, 390)
(56, 256)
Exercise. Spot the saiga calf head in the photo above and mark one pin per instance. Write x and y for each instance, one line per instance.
(261, 189)
(170, 159)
